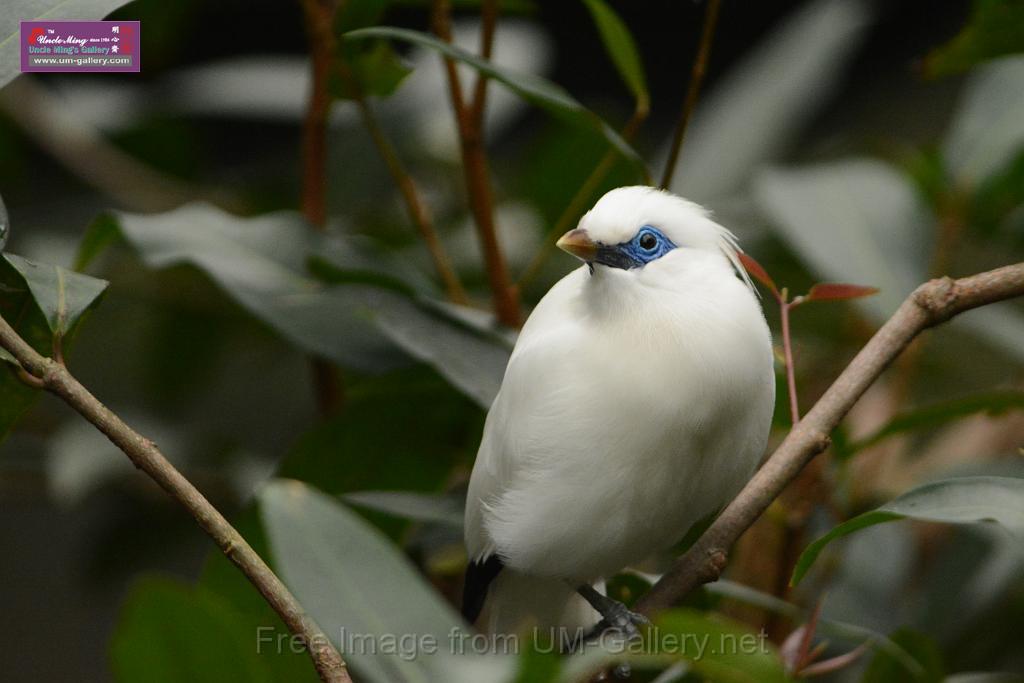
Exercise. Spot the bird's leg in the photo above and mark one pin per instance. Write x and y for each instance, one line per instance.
(614, 614)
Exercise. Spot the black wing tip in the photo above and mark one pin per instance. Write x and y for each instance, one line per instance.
(479, 575)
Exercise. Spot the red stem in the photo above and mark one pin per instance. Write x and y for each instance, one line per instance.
(787, 348)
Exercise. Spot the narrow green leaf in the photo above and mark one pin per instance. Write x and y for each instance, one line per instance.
(939, 414)
(421, 507)
(27, 10)
(995, 28)
(377, 70)
(357, 585)
(621, 47)
(925, 651)
(170, 632)
(964, 500)
(5, 225)
(533, 89)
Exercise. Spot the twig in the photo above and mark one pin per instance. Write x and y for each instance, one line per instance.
(700, 64)
(931, 304)
(578, 203)
(319, 25)
(319, 18)
(469, 119)
(145, 455)
(785, 307)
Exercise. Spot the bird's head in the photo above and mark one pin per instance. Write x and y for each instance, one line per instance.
(637, 229)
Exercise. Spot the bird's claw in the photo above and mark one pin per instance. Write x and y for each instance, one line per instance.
(620, 618)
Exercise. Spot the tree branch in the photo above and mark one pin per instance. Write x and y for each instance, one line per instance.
(144, 454)
(319, 16)
(700, 65)
(931, 304)
(469, 119)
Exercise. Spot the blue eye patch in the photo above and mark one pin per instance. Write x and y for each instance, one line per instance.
(649, 244)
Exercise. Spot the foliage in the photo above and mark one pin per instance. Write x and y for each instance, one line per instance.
(362, 513)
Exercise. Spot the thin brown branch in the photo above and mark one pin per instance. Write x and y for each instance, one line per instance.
(319, 19)
(580, 200)
(418, 213)
(145, 455)
(469, 120)
(931, 304)
(488, 24)
(319, 16)
(785, 308)
(700, 65)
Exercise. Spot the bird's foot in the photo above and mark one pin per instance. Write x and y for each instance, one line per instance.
(615, 616)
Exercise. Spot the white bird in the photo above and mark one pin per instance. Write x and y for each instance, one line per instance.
(637, 402)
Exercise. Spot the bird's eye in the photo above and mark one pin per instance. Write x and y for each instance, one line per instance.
(648, 241)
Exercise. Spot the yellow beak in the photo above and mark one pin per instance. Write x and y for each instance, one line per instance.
(578, 243)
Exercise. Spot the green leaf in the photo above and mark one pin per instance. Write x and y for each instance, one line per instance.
(939, 414)
(41, 303)
(261, 263)
(987, 131)
(28, 10)
(960, 501)
(714, 647)
(621, 47)
(533, 89)
(421, 507)
(378, 72)
(63, 296)
(470, 356)
(850, 633)
(995, 28)
(885, 669)
(171, 632)
(357, 585)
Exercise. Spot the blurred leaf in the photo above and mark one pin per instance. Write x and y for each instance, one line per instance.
(855, 220)
(538, 666)
(987, 131)
(420, 507)
(353, 581)
(262, 264)
(353, 14)
(377, 70)
(471, 357)
(836, 291)
(621, 47)
(924, 650)
(714, 647)
(961, 501)
(763, 103)
(851, 633)
(938, 414)
(996, 28)
(28, 10)
(38, 302)
(62, 296)
(757, 271)
(171, 632)
(533, 89)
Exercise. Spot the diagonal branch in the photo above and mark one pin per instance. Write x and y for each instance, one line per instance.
(144, 454)
(931, 304)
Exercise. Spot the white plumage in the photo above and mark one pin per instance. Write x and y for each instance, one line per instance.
(637, 401)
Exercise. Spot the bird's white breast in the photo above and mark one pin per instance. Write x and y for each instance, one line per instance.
(629, 411)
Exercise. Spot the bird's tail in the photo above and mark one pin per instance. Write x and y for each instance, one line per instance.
(528, 605)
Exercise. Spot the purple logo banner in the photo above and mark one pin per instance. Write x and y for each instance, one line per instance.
(83, 46)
